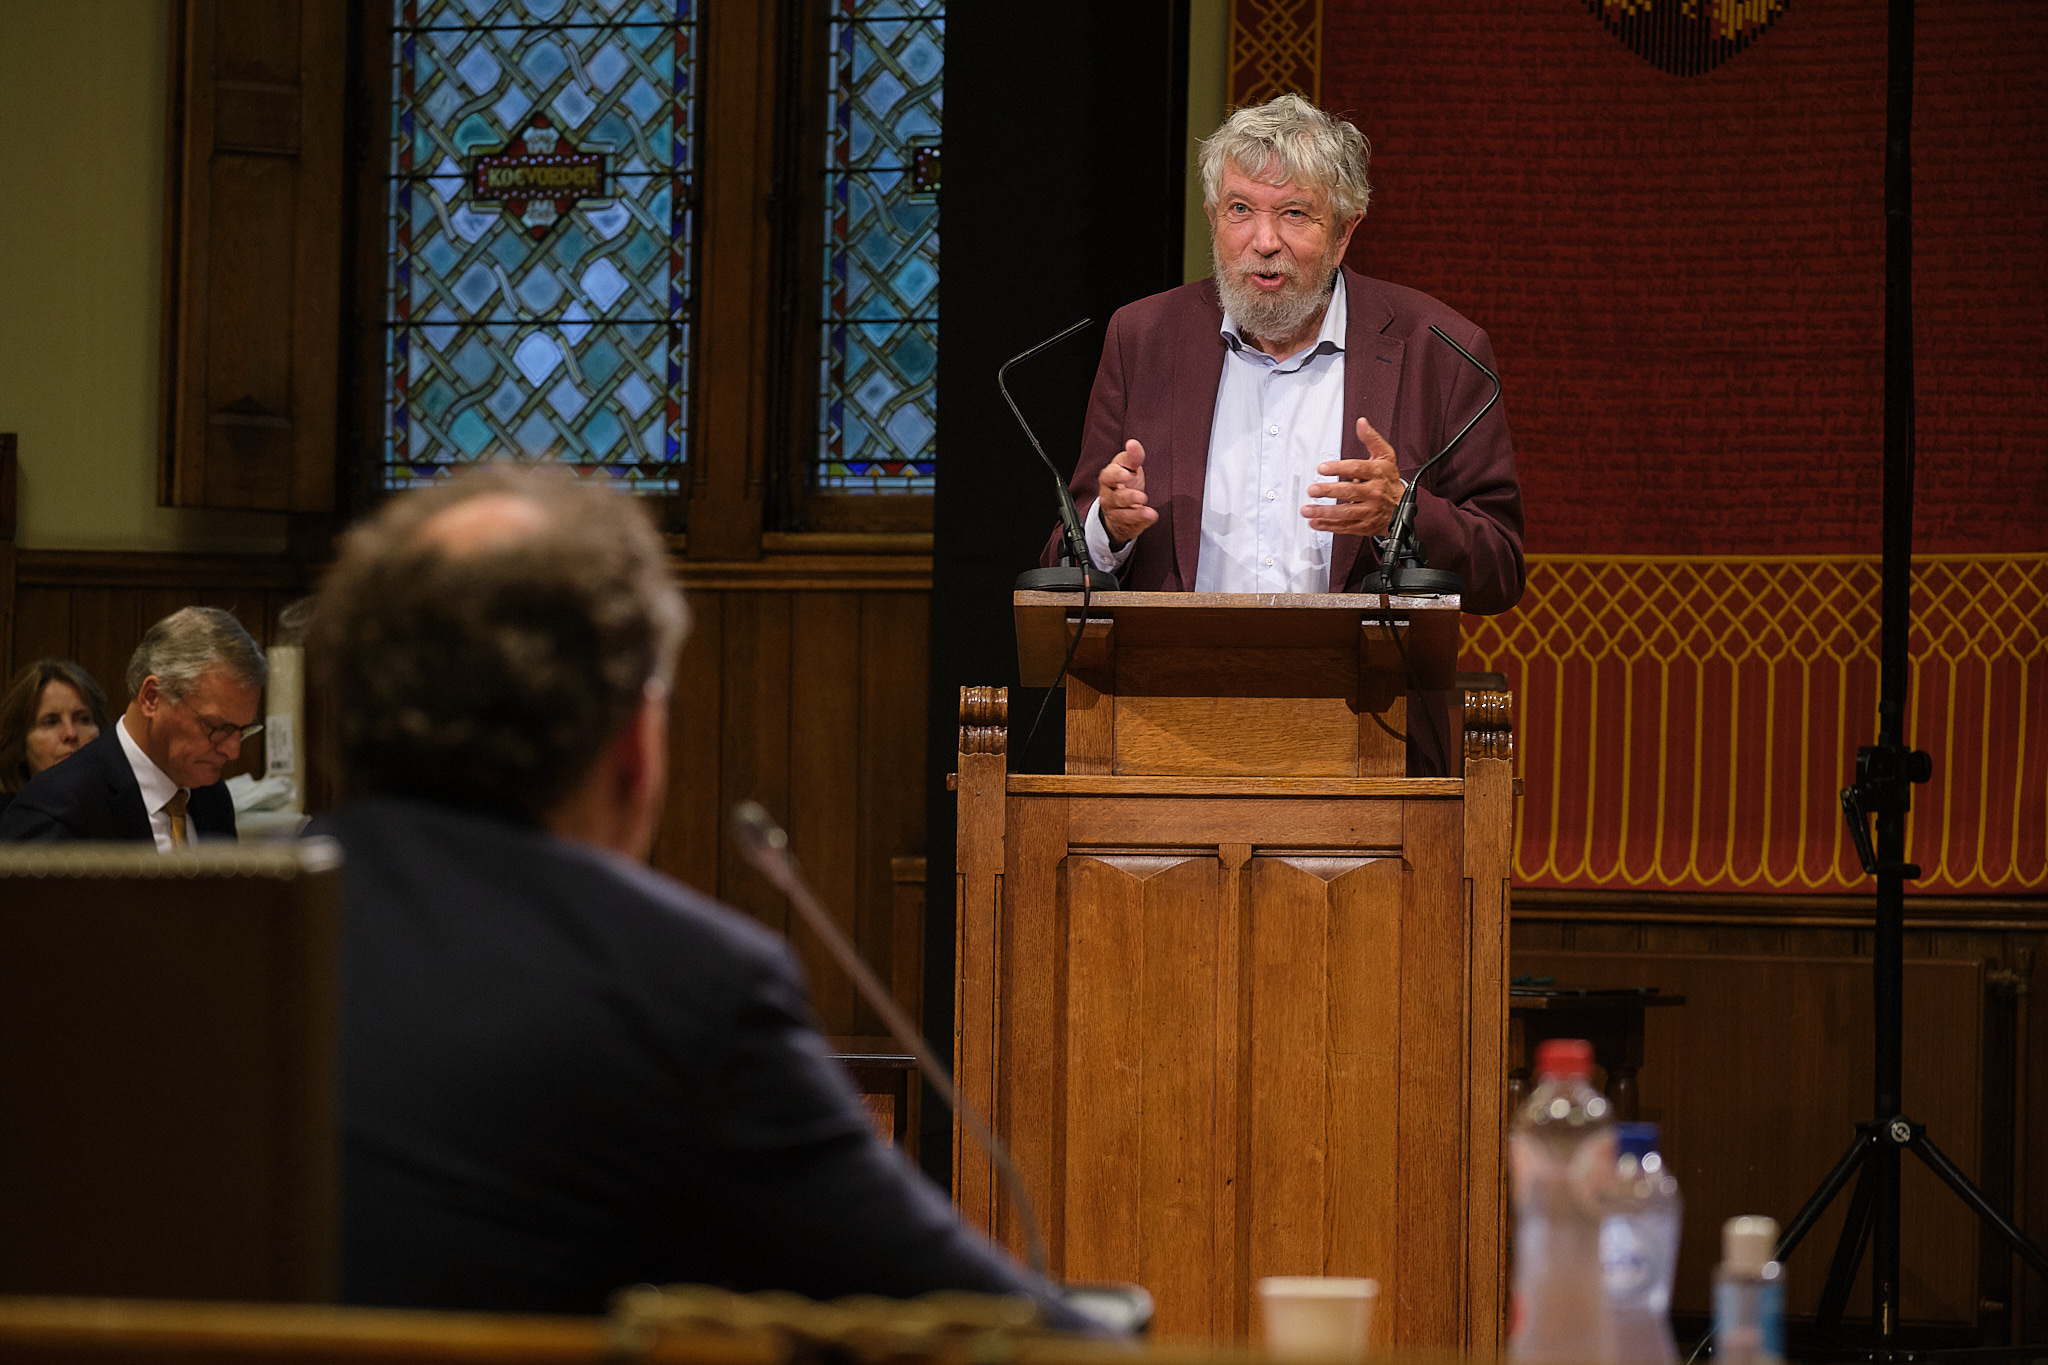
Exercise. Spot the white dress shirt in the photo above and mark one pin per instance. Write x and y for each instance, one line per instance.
(1275, 422)
(157, 789)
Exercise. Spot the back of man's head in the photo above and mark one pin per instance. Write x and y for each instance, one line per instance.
(481, 641)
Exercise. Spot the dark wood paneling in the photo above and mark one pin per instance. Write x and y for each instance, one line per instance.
(754, 753)
(888, 798)
(1761, 1076)
(690, 841)
(810, 702)
(42, 626)
(824, 747)
(791, 690)
(94, 607)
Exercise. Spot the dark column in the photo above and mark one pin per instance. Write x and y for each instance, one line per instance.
(1061, 199)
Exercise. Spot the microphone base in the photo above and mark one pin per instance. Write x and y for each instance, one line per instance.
(1415, 582)
(1065, 580)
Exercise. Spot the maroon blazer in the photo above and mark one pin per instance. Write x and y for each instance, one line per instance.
(1162, 362)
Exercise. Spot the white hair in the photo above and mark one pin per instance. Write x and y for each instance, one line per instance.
(1289, 141)
(185, 644)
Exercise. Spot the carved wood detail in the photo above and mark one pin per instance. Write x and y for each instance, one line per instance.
(1490, 724)
(984, 720)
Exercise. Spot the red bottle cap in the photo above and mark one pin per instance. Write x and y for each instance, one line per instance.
(1565, 1058)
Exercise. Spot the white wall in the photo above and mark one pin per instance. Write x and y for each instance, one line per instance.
(82, 115)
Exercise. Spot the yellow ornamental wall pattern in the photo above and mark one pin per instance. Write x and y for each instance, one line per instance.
(1685, 724)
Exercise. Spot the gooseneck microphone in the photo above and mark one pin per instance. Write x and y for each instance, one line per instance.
(766, 846)
(1086, 577)
(1401, 569)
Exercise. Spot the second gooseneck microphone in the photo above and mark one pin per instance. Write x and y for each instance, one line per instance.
(1401, 570)
(1078, 574)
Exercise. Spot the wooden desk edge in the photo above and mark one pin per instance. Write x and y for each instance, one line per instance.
(136, 1329)
(87, 1325)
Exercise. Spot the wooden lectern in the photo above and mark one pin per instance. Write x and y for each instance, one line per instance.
(1233, 987)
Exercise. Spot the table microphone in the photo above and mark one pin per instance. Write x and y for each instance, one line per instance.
(1124, 1308)
(766, 846)
(1069, 578)
(1401, 568)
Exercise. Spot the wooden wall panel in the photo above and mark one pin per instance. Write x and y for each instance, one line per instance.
(824, 747)
(94, 609)
(690, 840)
(798, 693)
(889, 793)
(810, 700)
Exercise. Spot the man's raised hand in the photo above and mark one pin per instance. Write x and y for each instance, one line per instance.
(1120, 493)
(1366, 492)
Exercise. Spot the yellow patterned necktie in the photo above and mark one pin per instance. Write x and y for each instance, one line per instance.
(175, 808)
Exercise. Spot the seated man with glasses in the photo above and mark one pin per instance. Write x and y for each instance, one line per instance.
(196, 683)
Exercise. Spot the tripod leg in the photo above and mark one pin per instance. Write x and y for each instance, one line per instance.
(1848, 1255)
(1925, 1149)
(1817, 1204)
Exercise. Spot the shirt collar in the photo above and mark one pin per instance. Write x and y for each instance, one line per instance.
(1329, 340)
(157, 787)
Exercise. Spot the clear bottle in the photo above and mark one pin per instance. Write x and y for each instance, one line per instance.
(1749, 1295)
(1561, 1156)
(1639, 1249)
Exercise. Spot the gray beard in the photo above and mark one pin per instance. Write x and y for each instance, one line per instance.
(1274, 317)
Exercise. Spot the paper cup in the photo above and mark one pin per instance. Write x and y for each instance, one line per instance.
(1315, 1317)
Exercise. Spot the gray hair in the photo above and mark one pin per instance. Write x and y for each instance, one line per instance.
(1289, 140)
(185, 644)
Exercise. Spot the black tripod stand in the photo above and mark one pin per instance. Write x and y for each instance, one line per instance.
(1885, 775)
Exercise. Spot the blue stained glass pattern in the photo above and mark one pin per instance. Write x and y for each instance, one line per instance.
(529, 332)
(878, 400)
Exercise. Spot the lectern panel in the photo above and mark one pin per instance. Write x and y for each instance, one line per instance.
(1235, 737)
(1324, 1031)
(1142, 1034)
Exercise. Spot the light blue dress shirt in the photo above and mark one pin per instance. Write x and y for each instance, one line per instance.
(1275, 422)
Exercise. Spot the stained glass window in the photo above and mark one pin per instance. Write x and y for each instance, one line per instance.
(878, 401)
(540, 221)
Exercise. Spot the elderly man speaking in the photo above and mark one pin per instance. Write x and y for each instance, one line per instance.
(1254, 432)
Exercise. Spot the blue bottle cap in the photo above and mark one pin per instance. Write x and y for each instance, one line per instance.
(1636, 1139)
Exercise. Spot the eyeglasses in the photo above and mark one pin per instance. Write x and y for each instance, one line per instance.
(218, 732)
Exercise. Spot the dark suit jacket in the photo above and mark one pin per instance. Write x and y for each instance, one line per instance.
(93, 795)
(1163, 360)
(564, 1073)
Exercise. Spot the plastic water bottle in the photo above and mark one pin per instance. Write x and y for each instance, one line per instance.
(1749, 1295)
(1561, 1156)
(1639, 1249)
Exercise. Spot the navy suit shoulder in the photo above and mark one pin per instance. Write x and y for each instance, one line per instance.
(90, 795)
(564, 1072)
